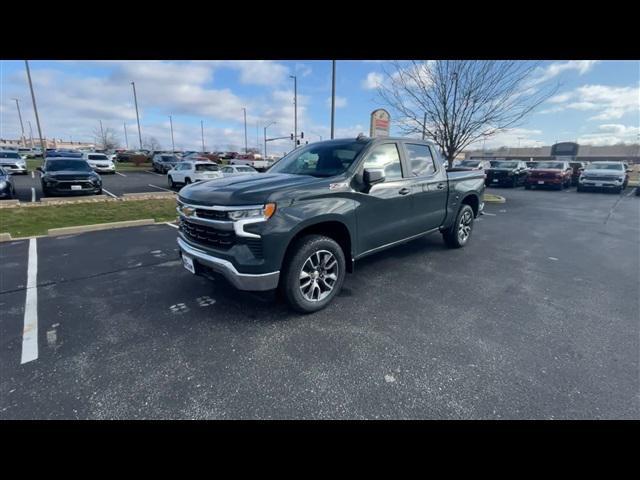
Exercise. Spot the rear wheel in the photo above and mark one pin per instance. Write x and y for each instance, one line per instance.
(458, 235)
(313, 273)
(187, 181)
(170, 181)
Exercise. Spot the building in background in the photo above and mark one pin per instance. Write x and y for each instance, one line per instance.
(49, 143)
(585, 153)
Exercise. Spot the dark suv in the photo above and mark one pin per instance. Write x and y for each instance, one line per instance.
(509, 173)
(303, 224)
(69, 176)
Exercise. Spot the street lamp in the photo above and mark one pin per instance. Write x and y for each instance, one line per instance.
(202, 133)
(265, 138)
(295, 111)
(245, 130)
(35, 109)
(135, 99)
(333, 95)
(22, 139)
(173, 146)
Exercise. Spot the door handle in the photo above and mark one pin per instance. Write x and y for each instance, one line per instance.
(440, 186)
(404, 191)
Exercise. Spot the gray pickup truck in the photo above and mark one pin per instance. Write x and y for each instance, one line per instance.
(302, 225)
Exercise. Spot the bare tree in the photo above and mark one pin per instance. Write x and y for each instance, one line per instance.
(108, 138)
(458, 102)
(151, 143)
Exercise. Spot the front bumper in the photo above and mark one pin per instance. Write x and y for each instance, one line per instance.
(545, 181)
(242, 281)
(600, 184)
(111, 169)
(18, 169)
(498, 181)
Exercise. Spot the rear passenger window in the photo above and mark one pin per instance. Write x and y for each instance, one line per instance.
(386, 157)
(420, 160)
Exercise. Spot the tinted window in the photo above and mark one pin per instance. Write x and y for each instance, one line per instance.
(386, 157)
(552, 165)
(58, 165)
(468, 163)
(168, 158)
(606, 166)
(227, 170)
(324, 159)
(206, 167)
(97, 157)
(245, 169)
(9, 155)
(421, 160)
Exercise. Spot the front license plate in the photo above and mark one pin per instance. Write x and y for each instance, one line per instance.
(540, 182)
(188, 263)
(495, 179)
(76, 187)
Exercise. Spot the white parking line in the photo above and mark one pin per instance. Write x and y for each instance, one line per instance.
(165, 189)
(155, 173)
(32, 174)
(30, 330)
(109, 193)
(171, 224)
(490, 214)
(33, 194)
(122, 175)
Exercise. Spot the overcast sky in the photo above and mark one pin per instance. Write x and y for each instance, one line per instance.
(598, 102)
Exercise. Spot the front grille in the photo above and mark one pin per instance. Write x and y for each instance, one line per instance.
(210, 236)
(67, 185)
(601, 179)
(497, 174)
(255, 245)
(211, 214)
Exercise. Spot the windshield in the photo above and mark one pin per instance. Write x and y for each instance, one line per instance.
(9, 155)
(552, 165)
(59, 165)
(245, 169)
(504, 164)
(325, 159)
(468, 163)
(169, 158)
(206, 167)
(605, 166)
(98, 157)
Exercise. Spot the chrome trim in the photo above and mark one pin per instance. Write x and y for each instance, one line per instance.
(221, 208)
(236, 225)
(221, 224)
(242, 281)
(396, 242)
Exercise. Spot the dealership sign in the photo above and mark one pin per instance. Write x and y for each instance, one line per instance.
(380, 122)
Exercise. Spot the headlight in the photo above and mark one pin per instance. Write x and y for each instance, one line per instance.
(265, 212)
(3, 185)
(621, 179)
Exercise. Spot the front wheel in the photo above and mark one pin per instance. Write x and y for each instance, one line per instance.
(527, 186)
(458, 235)
(171, 182)
(313, 274)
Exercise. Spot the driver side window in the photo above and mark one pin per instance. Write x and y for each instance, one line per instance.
(386, 157)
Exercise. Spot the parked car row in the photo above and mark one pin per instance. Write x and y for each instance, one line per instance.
(12, 162)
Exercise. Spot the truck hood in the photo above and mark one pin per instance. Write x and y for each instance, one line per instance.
(244, 189)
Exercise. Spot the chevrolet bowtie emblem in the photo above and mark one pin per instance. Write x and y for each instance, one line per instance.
(188, 211)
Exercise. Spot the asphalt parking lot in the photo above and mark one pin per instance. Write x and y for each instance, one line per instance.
(536, 318)
(28, 187)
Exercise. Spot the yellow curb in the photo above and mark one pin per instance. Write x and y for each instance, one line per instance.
(490, 198)
(52, 232)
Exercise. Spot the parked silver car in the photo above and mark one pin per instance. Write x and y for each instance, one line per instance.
(604, 175)
(233, 170)
(12, 162)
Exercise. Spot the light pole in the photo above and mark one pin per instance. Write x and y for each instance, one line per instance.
(22, 139)
(135, 99)
(104, 143)
(519, 138)
(295, 111)
(245, 129)
(333, 95)
(265, 138)
(202, 133)
(35, 109)
(30, 134)
(173, 146)
(126, 140)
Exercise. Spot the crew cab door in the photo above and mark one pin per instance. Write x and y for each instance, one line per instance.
(384, 213)
(429, 186)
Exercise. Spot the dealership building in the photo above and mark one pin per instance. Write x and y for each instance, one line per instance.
(562, 151)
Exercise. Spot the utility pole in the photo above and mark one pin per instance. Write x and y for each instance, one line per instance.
(295, 111)
(30, 135)
(22, 139)
(265, 138)
(126, 140)
(135, 99)
(245, 129)
(35, 109)
(104, 142)
(257, 137)
(333, 95)
(202, 133)
(173, 146)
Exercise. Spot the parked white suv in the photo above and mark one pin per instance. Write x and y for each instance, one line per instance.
(185, 173)
(99, 162)
(233, 170)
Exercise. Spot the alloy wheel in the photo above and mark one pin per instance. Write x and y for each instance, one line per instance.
(464, 227)
(319, 275)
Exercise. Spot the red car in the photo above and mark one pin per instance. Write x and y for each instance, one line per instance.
(549, 174)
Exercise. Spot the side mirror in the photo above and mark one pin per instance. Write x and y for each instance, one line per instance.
(373, 176)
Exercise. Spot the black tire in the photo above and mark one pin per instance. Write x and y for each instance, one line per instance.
(99, 192)
(171, 182)
(187, 181)
(453, 237)
(527, 186)
(579, 189)
(514, 183)
(299, 254)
